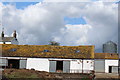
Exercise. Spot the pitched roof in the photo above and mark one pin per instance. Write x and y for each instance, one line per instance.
(6, 39)
(106, 56)
(47, 51)
(110, 42)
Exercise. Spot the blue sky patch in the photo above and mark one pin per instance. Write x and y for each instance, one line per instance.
(20, 5)
(73, 21)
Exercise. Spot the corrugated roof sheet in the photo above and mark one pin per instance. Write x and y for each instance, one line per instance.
(53, 51)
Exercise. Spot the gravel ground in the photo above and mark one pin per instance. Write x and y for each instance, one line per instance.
(106, 76)
(41, 75)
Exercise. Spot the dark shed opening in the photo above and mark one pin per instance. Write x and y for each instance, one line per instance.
(59, 65)
(13, 63)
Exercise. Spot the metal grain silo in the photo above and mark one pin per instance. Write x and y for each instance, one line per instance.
(110, 47)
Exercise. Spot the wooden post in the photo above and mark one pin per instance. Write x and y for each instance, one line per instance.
(82, 65)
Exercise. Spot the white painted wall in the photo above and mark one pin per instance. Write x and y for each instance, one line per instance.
(110, 63)
(43, 64)
(1, 42)
(88, 64)
(40, 64)
(76, 65)
(12, 42)
(7, 42)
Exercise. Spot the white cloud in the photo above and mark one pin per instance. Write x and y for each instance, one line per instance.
(74, 35)
(57, 0)
(40, 23)
(1, 14)
(66, 0)
(109, 0)
(78, 0)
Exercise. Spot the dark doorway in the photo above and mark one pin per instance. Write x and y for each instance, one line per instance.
(110, 69)
(59, 65)
(13, 63)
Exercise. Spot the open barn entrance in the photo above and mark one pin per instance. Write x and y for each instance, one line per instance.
(13, 63)
(113, 69)
(110, 69)
(59, 66)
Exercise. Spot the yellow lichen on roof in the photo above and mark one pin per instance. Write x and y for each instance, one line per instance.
(99, 55)
(106, 56)
(111, 56)
(53, 51)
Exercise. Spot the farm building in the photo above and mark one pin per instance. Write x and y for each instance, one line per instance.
(106, 62)
(8, 40)
(67, 59)
(49, 58)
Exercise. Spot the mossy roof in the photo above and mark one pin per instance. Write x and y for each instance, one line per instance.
(47, 51)
(106, 56)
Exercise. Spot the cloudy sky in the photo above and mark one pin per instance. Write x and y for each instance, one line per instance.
(69, 23)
